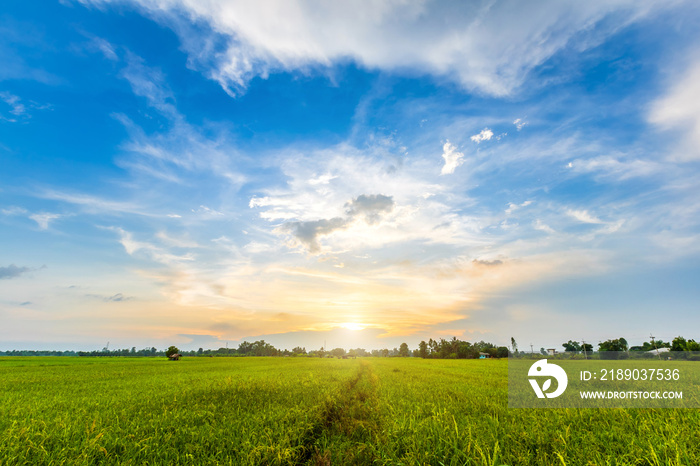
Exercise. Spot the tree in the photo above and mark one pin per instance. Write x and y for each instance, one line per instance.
(543, 351)
(172, 350)
(613, 349)
(501, 352)
(572, 346)
(423, 349)
(403, 350)
(513, 345)
(678, 344)
(338, 352)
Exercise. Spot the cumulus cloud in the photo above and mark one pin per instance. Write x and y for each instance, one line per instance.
(12, 271)
(679, 111)
(513, 207)
(453, 159)
(483, 45)
(370, 207)
(307, 233)
(485, 135)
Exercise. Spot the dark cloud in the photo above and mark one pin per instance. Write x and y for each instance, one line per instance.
(370, 206)
(117, 298)
(487, 263)
(308, 232)
(12, 271)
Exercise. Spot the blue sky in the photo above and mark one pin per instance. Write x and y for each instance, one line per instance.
(198, 173)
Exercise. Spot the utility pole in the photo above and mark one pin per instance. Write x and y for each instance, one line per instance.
(532, 351)
(654, 343)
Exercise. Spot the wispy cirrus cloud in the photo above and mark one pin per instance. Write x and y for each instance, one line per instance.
(44, 218)
(487, 47)
(678, 113)
(18, 110)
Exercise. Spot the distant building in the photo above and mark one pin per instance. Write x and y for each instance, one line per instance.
(174, 357)
(659, 351)
(551, 351)
(484, 356)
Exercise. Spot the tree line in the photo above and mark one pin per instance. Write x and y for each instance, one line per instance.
(432, 349)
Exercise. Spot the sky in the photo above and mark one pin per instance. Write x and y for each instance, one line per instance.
(199, 173)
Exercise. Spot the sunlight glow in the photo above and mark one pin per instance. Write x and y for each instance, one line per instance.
(353, 326)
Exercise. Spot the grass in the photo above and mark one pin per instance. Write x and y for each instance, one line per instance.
(251, 411)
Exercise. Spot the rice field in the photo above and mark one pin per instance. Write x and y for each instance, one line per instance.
(284, 411)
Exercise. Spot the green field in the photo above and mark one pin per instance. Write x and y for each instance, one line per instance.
(251, 411)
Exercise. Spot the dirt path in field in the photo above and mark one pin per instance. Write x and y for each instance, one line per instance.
(348, 425)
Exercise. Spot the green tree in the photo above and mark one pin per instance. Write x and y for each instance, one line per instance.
(514, 345)
(613, 349)
(338, 352)
(403, 350)
(501, 352)
(423, 349)
(572, 346)
(678, 344)
(172, 350)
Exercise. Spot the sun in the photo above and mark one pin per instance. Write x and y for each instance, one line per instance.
(353, 326)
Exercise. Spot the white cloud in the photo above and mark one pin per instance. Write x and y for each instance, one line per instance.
(105, 48)
(679, 110)
(323, 179)
(538, 225)
(608, 166)
(43, 219)
(485, 135)
(453, 159)
(486, 46)
(513, 207)
(520, 123)
(17, 108)
(583, 216)
(14, 210)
